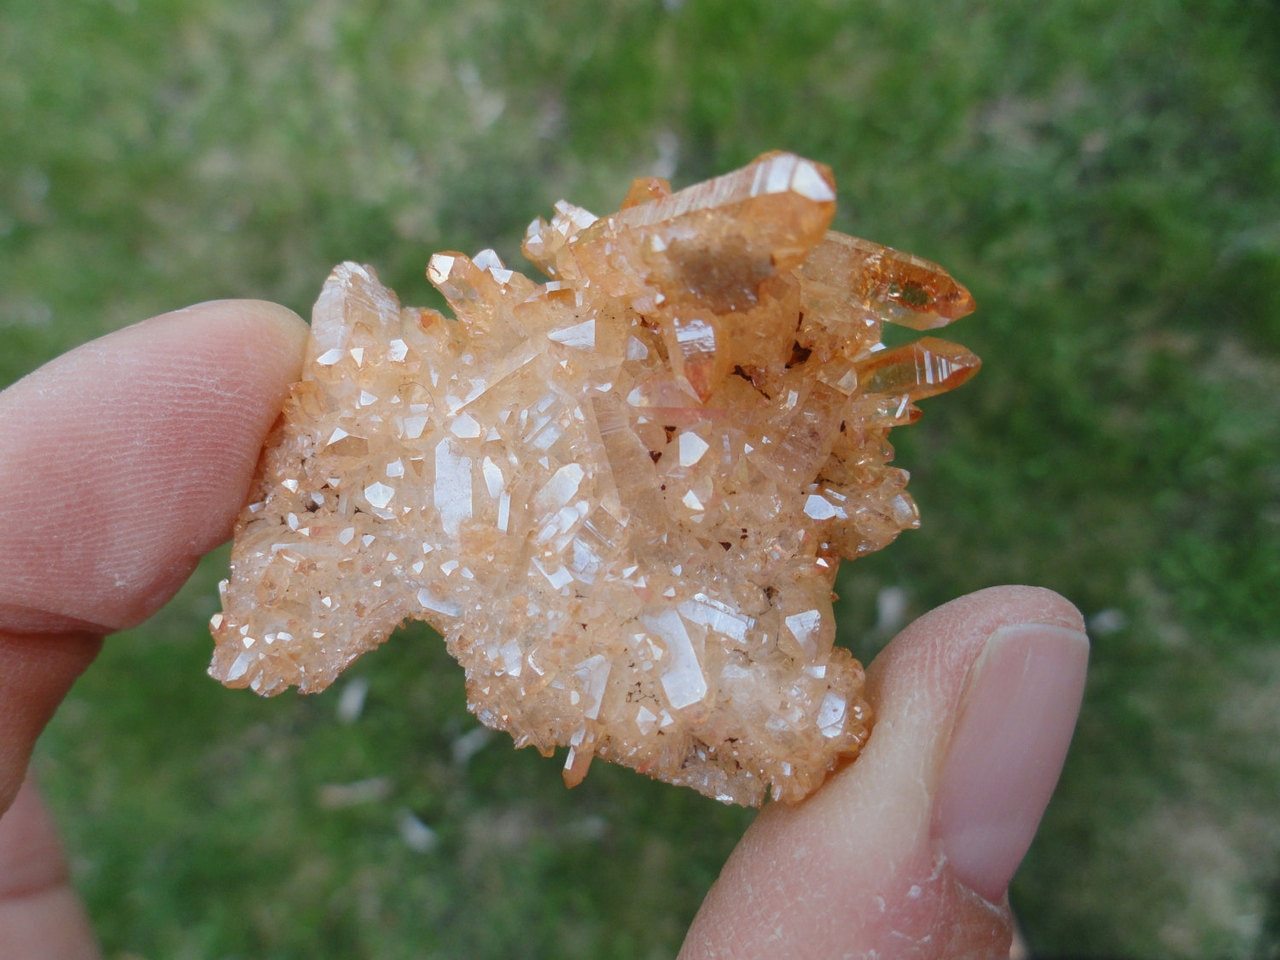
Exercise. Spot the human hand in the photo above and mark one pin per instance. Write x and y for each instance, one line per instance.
(127, 459)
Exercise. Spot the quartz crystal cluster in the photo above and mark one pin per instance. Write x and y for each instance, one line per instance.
(620, 495)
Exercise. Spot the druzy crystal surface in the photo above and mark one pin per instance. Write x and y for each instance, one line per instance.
(620, 495)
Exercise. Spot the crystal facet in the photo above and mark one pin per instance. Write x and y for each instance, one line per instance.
(621, 495)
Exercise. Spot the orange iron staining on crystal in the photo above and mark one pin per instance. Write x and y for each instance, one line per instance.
(621, 495)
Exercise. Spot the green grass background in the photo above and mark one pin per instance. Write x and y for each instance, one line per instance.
(1105, 177)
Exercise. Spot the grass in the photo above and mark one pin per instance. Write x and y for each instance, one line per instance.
(1105, 177)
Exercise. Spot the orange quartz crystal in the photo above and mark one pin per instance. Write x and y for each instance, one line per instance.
(621, 495)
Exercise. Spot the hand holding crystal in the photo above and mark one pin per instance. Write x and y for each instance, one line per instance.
(128, 458)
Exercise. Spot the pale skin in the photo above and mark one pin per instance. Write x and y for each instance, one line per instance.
(127, 459)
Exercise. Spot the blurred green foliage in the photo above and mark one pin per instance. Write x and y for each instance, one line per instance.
(1105, 177)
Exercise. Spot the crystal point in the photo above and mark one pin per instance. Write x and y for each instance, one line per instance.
(620, 495)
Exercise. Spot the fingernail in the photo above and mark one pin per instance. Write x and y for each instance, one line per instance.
(1016, 717)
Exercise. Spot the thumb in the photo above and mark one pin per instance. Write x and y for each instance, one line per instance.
(908, 852)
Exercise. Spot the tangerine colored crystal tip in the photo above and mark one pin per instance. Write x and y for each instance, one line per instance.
(621, 495)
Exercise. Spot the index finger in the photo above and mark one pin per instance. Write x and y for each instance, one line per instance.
(122, 462)
(126, 459)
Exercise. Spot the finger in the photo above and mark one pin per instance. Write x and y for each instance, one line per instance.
(125, 460)
(908, 852)
(41, 917)
(35, 674)
(122, 462)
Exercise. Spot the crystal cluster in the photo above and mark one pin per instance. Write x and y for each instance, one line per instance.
(620, 495)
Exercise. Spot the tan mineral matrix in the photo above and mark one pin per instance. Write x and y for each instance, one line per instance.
(621, 495)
